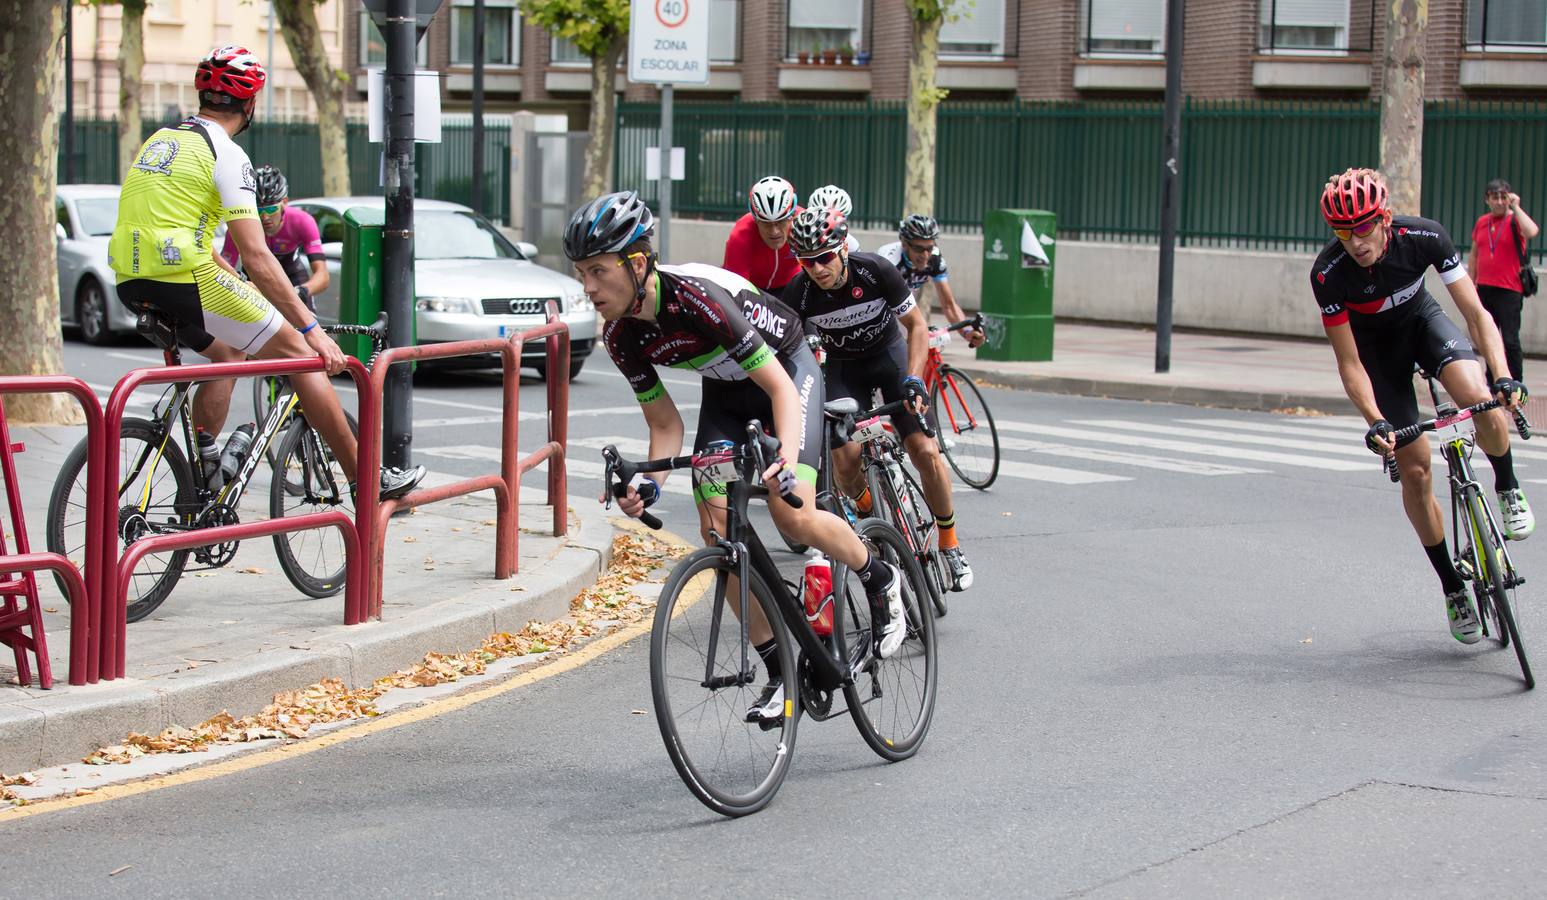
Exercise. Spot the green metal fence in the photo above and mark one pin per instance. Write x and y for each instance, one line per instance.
(444, 170)
(1252, 170)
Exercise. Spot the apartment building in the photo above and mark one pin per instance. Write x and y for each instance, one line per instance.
(179, 32)
(998, 49)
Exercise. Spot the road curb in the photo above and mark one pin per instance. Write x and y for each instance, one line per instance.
(68, 723)
(1261, 401)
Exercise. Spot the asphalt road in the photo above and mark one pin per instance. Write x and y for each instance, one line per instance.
(1204, 656)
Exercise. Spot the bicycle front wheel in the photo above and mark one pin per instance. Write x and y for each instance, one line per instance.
(965, 428)
(267, 391)
(1499, 590)
(307, 479)
(704, 676)
(891, 700)
(156, 495)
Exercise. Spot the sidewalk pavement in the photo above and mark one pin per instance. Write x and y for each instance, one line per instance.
(1229, 370)
(234, 637)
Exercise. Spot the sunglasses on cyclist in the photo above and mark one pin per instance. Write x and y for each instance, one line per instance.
(920, 248)
(1364, 230)
(268, 210)
(821, 259)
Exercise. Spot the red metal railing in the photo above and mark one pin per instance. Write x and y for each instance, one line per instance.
(113, 583)
(85, 602)
(372, 515)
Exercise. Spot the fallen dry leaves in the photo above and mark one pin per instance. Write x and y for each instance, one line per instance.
(601, 608)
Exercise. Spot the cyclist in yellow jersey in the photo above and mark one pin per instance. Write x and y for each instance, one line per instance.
(186, 180)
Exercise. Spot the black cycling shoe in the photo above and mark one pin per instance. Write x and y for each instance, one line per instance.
(768, 708)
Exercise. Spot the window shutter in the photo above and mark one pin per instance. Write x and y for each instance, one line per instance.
(1128, 20)
(835, 14)
(981, 23)
(1311, 13)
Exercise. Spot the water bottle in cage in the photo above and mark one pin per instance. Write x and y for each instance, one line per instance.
(236, 451)
(819, 593)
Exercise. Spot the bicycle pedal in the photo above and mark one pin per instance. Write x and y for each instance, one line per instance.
(770, 724)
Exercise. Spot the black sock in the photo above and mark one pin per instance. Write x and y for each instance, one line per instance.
(769, 651)
(1503, 471)
(1439, 557)
(875, 575)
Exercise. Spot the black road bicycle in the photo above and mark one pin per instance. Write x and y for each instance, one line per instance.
(1479, 550)
(166, 486)
(704, 668)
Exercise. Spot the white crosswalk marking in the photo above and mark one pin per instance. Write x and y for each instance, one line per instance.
(1520, 452)
(1009, 468)
(1213, 435)
(586, 466)
(1201, 449)
(1143, 461)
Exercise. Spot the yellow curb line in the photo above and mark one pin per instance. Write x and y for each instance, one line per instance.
(429, 709)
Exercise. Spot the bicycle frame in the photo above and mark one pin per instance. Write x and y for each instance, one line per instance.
(950, 395)
(1456, 448)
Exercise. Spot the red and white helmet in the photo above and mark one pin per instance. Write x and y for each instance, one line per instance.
(831, 196)
(1353, 198)
(231, 70)
(772, 199)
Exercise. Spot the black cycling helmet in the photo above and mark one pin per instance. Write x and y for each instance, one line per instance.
(919, 228)
(272, 186)
(607, 224)
(817, 230)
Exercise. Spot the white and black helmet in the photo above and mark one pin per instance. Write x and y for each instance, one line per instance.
(772, 199)
(831, 196)
(608, 224)
(919, 228)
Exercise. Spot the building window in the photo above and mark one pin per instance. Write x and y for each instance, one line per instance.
(1123, 27)
(501, 33)
(817, 25)
(1303, 25)
(373, 48)
(565, 53)
(725, 31)
(1508, 25)
(979, 30)
(164, 12)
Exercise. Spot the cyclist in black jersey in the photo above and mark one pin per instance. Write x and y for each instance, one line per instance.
(1369, 284)
(876, 339)
(749, 349)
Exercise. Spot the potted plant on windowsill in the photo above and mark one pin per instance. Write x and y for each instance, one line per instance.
(804, 57)
(846, 54)
(830, 56)
(862, 58)
(816, 53)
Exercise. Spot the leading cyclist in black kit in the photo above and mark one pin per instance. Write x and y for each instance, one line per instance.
(876, 339)
(700, 317)
(1380, 320)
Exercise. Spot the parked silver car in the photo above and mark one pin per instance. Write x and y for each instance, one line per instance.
(470, 281)
(84, 217)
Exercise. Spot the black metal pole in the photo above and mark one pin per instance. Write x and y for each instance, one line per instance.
(397, 240)
(478, 24)
(67, 121)
(1170, 181)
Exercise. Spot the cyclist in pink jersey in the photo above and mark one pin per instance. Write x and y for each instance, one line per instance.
(291, 235)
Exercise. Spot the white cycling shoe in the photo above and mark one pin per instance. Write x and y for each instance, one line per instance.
(1516, 515)
(895, 630)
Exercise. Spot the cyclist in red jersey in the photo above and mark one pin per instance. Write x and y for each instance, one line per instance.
(758, 248)
(1380, 321)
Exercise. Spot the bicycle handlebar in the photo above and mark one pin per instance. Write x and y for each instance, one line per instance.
(763, 446)
(975, 322)
(892, 409)
(1389, 462)
(376, 331)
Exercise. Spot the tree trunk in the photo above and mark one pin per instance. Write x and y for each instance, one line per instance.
(604, 108)
(131, 61)
(923, 98)
(1401, 108)
(303, 38)
(31, 94)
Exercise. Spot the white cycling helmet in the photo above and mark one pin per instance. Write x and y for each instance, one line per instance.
(772, 199)
(831, 196)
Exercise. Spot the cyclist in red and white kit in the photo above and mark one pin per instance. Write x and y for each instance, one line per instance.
(1368, 283)
(758, 248)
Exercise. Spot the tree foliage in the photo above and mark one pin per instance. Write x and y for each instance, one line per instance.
(593, 26)
(303, 38)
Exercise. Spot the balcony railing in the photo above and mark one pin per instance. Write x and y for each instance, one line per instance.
(1286, 26)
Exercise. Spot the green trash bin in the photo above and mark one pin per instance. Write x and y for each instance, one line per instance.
(1017, 299)
(359, 298)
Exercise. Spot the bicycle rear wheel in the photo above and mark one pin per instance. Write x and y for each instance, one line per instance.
(892, 701)
(307, 479)
(965, 427)
(1500, 592)
(156, 490)
(703, 676)
(904, 513)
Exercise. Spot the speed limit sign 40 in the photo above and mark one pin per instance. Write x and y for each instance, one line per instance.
(669, 41)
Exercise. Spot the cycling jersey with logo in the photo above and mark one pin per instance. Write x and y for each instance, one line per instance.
(934, 271)
(706, 319)
(1383, 295)
(185, 181)
(296, 244)
(858, 317)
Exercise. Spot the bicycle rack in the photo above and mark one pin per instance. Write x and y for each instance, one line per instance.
(83, 587)
(114, 586)
(372, 515)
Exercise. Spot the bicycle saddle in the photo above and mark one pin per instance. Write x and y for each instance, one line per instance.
(843, 406)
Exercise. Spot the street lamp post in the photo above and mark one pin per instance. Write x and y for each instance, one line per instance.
(397, 240)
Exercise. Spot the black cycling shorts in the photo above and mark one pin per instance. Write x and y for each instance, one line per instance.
(882, 370)
(1427, 338)
(727, 406)
(215, 305)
